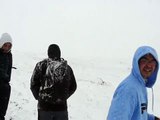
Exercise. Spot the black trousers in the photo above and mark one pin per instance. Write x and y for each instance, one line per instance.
(52, 115)
(5, 91)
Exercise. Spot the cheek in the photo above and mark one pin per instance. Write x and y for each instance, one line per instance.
(141, 66)
(8, 47)
(154, 67)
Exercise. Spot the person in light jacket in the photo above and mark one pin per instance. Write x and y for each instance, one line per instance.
(130, 100)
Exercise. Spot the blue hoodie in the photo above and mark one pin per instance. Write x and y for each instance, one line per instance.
(130, 98)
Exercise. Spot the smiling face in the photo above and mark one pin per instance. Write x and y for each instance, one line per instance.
(147, 65)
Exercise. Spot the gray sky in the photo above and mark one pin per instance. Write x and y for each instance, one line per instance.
(82, 28)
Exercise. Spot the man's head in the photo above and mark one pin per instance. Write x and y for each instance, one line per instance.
(6, 42)
(147, 65)
(54, 52)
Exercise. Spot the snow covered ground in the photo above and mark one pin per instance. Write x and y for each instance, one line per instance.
(96, 79)
(97, 37)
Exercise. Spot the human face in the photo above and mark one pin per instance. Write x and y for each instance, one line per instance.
(6, 47)
(147, 65)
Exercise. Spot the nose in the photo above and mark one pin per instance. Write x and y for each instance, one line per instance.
(151, 64)
(7, 47)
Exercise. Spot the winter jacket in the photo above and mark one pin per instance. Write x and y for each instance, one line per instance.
(37, 83)
(130, 100)
(5, 67)
(5, 74)
(5, 60)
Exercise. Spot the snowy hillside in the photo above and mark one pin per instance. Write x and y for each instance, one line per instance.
(109, 30)
(96, 79)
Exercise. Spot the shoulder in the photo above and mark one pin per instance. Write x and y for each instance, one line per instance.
(65, 62)
(9, 54)
(69, 67)
(127, 87)
(41, 63)
(1, 51)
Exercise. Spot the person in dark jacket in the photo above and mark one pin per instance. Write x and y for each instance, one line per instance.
(52, 106)
(130, 100)
(5, 72)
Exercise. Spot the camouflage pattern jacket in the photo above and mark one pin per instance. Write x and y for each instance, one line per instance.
(62, 88)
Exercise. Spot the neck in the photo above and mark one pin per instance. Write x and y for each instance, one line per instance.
(145, 80)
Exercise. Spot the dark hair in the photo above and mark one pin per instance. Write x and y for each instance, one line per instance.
(54, 52)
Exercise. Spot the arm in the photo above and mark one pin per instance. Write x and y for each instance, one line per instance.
(156, 118)
(5, 67)
(73, 84)
(35, 81)
(3, 75)
(123, 105)
(151, 117)
(69, 84)
(10, 65)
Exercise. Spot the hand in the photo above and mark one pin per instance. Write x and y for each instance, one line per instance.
(156, 118)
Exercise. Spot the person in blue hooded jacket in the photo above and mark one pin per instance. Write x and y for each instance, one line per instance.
(130, 100)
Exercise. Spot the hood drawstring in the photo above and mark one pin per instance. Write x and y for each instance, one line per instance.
(152, 100)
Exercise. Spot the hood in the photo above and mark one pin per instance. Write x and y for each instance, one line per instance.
(141, 51)
(4, 39)
(54, 52)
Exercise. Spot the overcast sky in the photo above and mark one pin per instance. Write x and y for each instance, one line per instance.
(82, 28)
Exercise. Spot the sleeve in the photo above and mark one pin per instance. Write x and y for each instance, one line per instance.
(123, 104)
(35, 81)
(10, 66)
(151, 117)
(72, 84)
(156, 118)
(2, 70)
(5, 68)
(3, 75)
